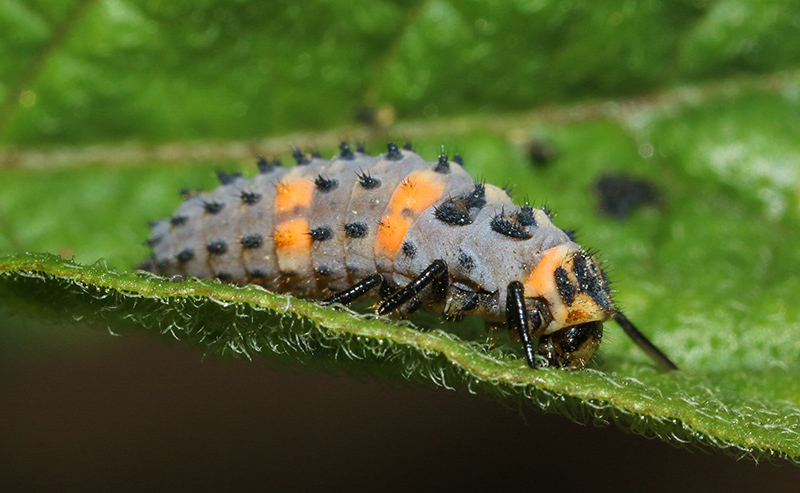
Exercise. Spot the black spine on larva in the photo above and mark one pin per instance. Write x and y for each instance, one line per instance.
(409, 249)
(178, 220)
(393, 152)
(565, 287)
(265, 167)
(213, 207)
(184, 255)
(361, 149)
(355, 230)
(325, 185)
(367, 181)
(345, 153)
(250, 198)
(458, 160)
(300, 158)
(227, 178)
(187, 193)
(217, 247)
(408, 147)
(500, 224)
(443, 166)
(251, 241)
(320, 234)
(466, 261)
(525, 216)
(591, 281)
(461, 210)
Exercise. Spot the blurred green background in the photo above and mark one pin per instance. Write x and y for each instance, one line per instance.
(110, 107)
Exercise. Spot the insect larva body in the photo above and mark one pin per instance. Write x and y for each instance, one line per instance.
(410, 232)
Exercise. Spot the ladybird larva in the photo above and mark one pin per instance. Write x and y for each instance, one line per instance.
(409, 232)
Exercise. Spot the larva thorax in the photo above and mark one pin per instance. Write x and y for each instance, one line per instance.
(357, 221)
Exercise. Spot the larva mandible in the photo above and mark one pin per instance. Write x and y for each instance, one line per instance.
(409, 232)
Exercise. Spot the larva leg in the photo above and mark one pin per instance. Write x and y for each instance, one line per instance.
(435, 275)
(355, 291)
(643, 342)
(517, 318)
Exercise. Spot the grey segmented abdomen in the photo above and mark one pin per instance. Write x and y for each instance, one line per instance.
(321, 226)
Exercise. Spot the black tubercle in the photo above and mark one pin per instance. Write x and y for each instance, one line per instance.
(252, 241)
(409, 249)
(458, 160)
(466, 261)
(355, 230)
(325, 185)
(213, 207)
(525, 216)
(517, 225)
(462, 210)
(178, 220)
(227, 178)
(250, 198)
(443, 166)
(505, 227)
(393, 152)
(592, 280)
(367, 181)
(184, 255)
(265, 166)
(565, 288)
(570, 234)
(408, 147)
(257, 274)
(155, 240)
(320, 234)
(361, 149)
(345, 153)
(217, 247)
(300, 158)
(548, 212)
(187, 193)
(323, 271)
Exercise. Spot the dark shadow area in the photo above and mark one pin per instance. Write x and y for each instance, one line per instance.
(140, 413)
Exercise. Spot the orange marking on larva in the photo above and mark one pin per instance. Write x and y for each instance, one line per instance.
(293, 195)
(420, 190)
(542, 281)
(292, 237)
(391, 231)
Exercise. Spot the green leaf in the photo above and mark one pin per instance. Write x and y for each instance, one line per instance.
(108, 108)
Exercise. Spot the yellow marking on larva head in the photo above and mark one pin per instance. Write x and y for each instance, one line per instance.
(542, 282)
(420, 190)
(293, 195)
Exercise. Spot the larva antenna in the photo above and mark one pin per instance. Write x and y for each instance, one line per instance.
(643, 342)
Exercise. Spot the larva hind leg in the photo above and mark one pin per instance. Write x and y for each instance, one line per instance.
(432, 283)
(356, 291)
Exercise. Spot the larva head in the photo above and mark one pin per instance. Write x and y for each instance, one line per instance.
(578, 300)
